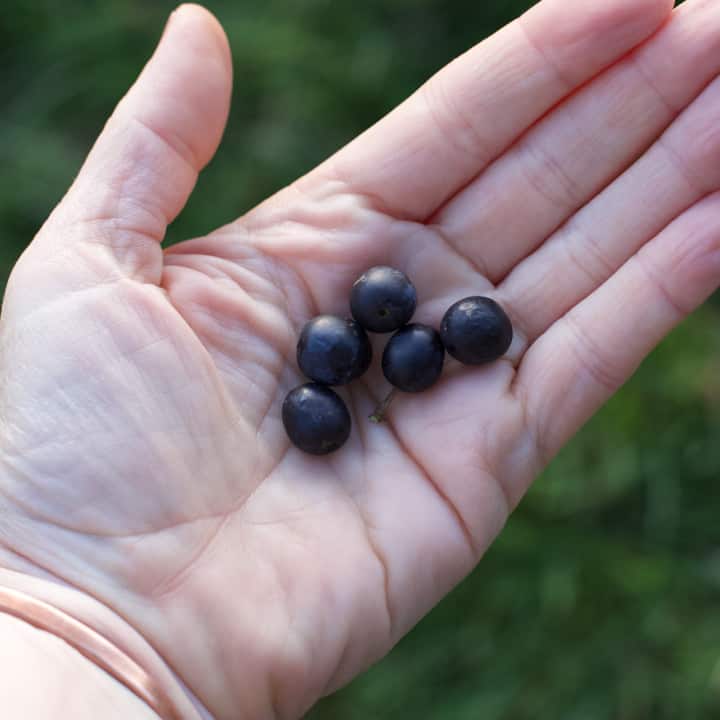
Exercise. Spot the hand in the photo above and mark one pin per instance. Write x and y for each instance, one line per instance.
(142, 456)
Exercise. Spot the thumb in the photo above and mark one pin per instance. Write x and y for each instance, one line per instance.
(144, 165)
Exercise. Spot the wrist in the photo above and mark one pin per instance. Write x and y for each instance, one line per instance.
(88, 629)
(43, 677)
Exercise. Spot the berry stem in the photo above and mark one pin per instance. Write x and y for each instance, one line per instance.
(379, 415)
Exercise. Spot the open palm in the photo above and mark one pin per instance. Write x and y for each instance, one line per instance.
(567, 167)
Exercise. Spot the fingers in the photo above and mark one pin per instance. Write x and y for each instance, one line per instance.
(682, 167)
(585, 356)
(575, 151)
(144, 165)
(411, 162)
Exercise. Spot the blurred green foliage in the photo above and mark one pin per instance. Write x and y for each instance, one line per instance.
(601, 600)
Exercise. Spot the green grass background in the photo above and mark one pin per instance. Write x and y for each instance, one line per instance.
(601, 600)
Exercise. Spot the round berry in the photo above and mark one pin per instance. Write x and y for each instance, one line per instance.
(476, 330)
(413, 358)
(333, 351)
(383, 299)
(316, 419)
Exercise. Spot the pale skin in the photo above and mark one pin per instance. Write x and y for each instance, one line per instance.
(568, 167)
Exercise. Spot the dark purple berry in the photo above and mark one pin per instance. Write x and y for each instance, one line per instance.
(413, 358)
(383, 299)
(476, 330)
(333, 351)
(316, 419)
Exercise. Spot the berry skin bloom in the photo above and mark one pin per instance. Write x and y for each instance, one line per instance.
(333, 351)
(316, 419)
(476, 330)
(383, 299)
(413, 358)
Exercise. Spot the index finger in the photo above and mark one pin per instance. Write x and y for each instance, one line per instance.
(411, 162)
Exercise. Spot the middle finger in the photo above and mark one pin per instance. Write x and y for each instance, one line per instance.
(579, 148)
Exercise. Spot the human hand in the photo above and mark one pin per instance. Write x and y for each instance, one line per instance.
(143, 458)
